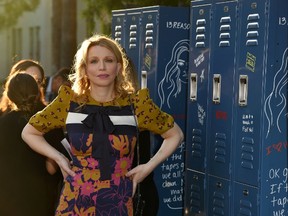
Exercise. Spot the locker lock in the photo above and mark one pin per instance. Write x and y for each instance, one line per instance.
(245, 192)
(219, 184)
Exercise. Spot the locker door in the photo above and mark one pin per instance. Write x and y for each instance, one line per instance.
(118, 26)
(249, 91)
(194, 194)
(274, 165)
(133, 39)
(221, 88)
(246, 200)
(199, 57)
(164, 67)
(219, 196)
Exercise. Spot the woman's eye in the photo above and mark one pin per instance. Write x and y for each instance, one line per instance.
(93, 61)
(109, 60)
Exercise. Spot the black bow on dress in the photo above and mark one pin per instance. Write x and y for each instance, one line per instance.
(102, 126)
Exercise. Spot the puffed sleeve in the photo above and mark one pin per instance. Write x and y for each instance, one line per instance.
(54, 115)
(149, 115)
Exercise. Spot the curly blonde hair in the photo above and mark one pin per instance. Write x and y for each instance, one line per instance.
(80, 83)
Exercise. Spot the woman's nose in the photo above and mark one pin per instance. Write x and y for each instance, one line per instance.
(101, 65)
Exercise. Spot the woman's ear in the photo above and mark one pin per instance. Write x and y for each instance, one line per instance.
(119, 68)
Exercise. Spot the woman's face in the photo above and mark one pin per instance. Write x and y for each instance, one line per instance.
(36, 73)
(102, 67)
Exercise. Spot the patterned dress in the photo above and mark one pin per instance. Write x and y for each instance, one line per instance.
(102, 138)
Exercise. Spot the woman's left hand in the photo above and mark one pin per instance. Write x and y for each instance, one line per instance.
(138, 174)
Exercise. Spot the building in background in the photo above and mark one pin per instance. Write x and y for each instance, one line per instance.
(32, 37)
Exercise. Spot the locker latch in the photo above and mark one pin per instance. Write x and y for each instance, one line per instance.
(193, 87)
(243, 90)
(216, 88)
(143, 79)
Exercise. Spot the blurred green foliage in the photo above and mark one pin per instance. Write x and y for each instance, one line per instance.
(11, 10)
(102, 10)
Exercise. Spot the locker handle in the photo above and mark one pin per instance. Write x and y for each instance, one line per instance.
(143, 79)
(193, 87)
(216, 88)
(243, 90)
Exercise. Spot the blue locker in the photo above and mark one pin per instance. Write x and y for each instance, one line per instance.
(220, 106)
(164, 53)
(221, 87)
(132, 37)
(219, 196)
(118, 30)
(260, 164)
(199, 59)
(156, 38)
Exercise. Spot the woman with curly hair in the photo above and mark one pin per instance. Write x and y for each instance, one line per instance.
(101, 113)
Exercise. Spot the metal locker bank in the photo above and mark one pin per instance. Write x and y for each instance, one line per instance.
(156, 38)
(236, 141)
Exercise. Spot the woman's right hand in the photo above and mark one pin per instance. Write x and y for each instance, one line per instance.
(65, 166)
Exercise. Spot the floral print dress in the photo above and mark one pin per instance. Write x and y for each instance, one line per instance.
(102, 137)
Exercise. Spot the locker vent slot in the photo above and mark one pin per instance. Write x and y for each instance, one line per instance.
(200, 22)
(118, 40)
(252, 17)
(133, 34)
(149, 33)
(118, 28)
(200, 33)
(220, 147)
(200, 30)
(225, 20)
(218, 203)
(118, 34)
(200, 44)
(252, 30)
(193, 87)
(132, 40)
(133, 27)
(149, 26)
(254, 25)
(132, 46)
(200, 37)
(247, 153)
(225, 36)
(252, 34)
(224, 43)
(196, 143)
(225, 29)
(245, 207)
(195, 197)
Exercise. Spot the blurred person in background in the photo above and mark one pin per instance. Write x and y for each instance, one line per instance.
(25, 176)
(55, 81)
(34, 69)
